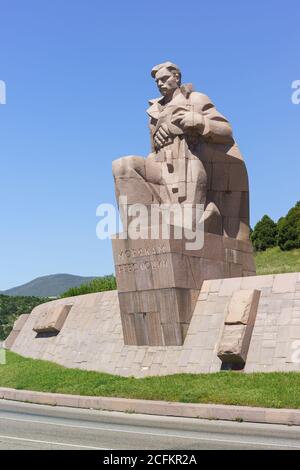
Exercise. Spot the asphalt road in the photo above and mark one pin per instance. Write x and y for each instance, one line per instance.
(27, 426)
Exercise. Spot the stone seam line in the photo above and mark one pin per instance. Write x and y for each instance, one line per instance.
(150, 407)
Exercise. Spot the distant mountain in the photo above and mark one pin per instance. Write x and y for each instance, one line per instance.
(48, 286)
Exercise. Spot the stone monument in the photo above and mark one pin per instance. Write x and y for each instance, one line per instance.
(196, 180)
(187, 300)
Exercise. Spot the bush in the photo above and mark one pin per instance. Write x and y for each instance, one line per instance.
(289, 229)
(100, 284)
(12, 307)
(264, 234)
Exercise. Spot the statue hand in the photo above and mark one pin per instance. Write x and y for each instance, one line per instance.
(189, 121)
(161, 136)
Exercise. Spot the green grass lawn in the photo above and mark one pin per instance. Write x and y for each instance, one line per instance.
(275, 261)
(277, 390)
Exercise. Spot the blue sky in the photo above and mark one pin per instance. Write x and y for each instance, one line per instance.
(78, 79)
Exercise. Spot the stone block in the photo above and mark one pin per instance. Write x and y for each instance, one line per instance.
(20, 322)
(285, 316)
(248, 263)
(236, 270)
(168, 305)
(242, 307)
(140, 327)
(206, 286)
(240, 245)
(284, 283)
(295, 332)
(233, 344)
(220, 176)
(153, 171)
(172, 334)
(239, 322)
(126, 279)
(267, 356)
(254, 351)
(238, 178)
(129, 331)
(179, 274)
(215, 285)
(233, 256)
(184, 330)
(203, 296)
(135, 190)
(130, 302)
(229, 286)
(172, 276)
(195, 167)
(175, 172)
(18, 325)
(212, 249)
(147, 269)
(202, 268)
(231, 203)
(259, 282)
(153, 329)
(53, 321)
(8, 343)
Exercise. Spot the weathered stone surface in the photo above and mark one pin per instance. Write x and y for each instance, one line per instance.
(240, 315)
(18, 325)
(53, 320)
(285, 283)
(242, 307)
(231, 347)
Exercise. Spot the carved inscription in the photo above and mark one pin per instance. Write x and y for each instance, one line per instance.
(143, 266)
(145, 251)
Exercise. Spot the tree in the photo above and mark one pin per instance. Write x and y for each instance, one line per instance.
(264, 234)
(11, 307)
(289, 229)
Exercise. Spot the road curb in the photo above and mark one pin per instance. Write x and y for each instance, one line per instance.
(162, 408)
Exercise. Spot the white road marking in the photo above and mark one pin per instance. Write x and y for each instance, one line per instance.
(180, 436)
(13, 438)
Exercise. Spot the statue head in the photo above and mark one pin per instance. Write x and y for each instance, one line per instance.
(167, 77)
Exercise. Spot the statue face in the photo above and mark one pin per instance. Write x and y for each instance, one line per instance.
(167, 82)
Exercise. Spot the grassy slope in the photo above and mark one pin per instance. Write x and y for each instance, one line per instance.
(278, 390)
(100, 284)
(274, 261)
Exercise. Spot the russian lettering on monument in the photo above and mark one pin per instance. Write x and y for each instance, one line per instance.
(142, 266)
(146, 251)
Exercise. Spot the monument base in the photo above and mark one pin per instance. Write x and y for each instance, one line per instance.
(159, 282)
(92, 336)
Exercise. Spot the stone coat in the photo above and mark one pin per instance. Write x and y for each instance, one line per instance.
(217, 129)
